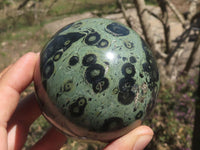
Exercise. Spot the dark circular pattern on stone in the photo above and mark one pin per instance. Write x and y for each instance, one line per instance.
(94, 72)
(117, 29)
(57, 56)
(128, 70)
(141, 75)
(103, 43)
(129, 45)
(112, 124)
(73, 60)
(146, 67)
(150, 66)
(68, 86)
(100, 85)
(77, 109)
(125, 84)
(132, 59)
(126, 98)
(48, 69)
(92, 38)
(89, 59)
(57, 43)
(154, 76)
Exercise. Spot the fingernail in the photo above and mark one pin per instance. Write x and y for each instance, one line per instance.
(142, 142)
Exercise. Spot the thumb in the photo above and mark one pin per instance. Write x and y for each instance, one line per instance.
(137, 139)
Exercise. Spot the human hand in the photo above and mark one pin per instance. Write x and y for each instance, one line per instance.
(16, 117)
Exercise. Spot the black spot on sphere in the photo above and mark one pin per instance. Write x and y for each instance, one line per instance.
(151, 84)
(112, 124)
(65, 41)
(89, 59)
(57, 56)
(115, 91)
(129, 45)
(146, 67)
(68, 86)
(48, 70)
(132, 59)
(153, 75)
(134, 109)
(103, 43)
(125, 84)
(77, 108)
(126, 95)
(124, 58)
(128, 70)
(92, 38)
(59, 94)
(70, 38)
(150, 66)
(73, 60)
(82, 101)
(117, 29)
(139, 115)
(100, 85)
(126, 98)
(141, 75)
(59, 42)
(94, 72)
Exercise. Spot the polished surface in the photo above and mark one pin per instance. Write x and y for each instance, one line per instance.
(96, 78)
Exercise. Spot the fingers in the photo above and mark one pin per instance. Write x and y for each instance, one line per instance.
(52, 140)
(27, 111)
(13, 82)
(137, 139)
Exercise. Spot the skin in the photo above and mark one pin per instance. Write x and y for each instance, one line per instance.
(16, 117)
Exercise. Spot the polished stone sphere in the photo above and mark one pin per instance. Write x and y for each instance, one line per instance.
(96, 79)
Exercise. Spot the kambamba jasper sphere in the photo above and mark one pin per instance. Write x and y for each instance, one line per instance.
(96, 79)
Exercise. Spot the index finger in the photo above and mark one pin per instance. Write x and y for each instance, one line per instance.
(13, 82)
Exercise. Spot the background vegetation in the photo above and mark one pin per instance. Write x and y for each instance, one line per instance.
(175, 118)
